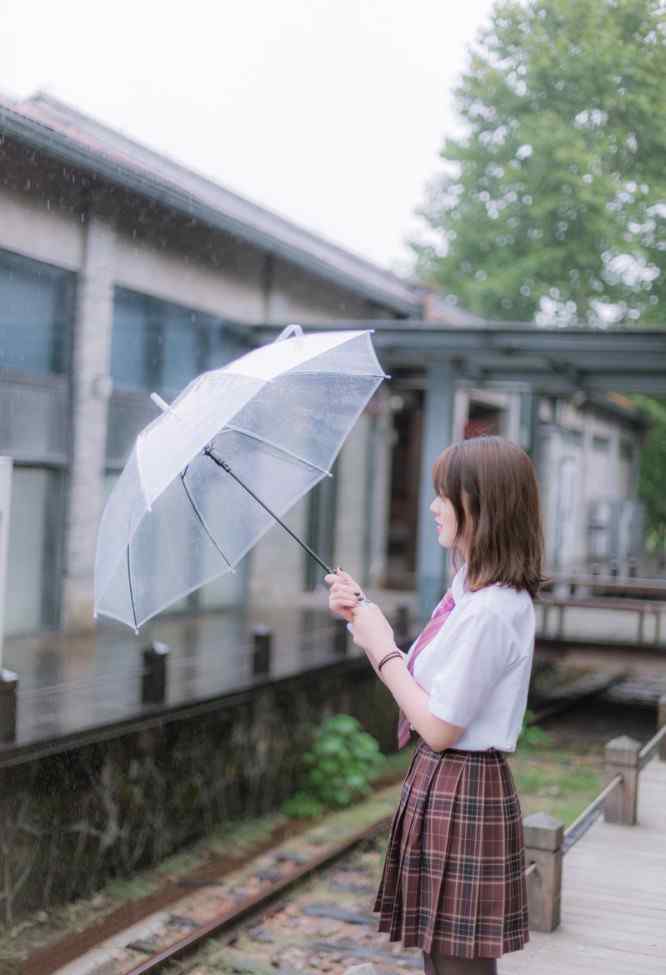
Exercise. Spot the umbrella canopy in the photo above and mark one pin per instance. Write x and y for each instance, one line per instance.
(276, 418)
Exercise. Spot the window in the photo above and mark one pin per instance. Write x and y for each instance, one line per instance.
(185, 348)
(483, 420)
(158, 345)
(572, 436)
(36, 310)
(128, 344)
(601, 443)
(321, 521)
(34, 558)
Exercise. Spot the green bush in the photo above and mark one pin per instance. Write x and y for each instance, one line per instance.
(302, 806)
(531, 735)
(337, 769)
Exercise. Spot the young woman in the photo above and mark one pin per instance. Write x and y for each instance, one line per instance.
(453, 881)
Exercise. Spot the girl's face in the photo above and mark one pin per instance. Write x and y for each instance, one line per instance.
(446, 522)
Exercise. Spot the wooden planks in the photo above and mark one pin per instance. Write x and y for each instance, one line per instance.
(613, 898)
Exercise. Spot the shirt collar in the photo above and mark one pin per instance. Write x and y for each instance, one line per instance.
(459, 583)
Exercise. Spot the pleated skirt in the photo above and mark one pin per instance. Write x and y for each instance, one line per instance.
(454, 874)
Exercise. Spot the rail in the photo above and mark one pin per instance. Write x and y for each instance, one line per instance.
(648, 751)
(577, 830)
(640, 607)
(547, 841)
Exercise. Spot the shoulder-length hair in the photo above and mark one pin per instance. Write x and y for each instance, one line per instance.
(492, 485)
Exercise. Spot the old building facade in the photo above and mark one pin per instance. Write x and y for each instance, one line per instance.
(122, 273)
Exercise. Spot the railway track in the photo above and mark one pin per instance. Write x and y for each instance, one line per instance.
(321, 923)
(307, 900)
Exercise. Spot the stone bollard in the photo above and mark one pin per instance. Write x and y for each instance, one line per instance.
(262, 637)
(622, 803)
(8, 688)
(661, 721)
(543, 845)
(154, 678)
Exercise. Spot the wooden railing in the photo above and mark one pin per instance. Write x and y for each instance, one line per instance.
(547, 841)
(640, 607)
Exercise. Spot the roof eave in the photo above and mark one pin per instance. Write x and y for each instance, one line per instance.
(39, 136)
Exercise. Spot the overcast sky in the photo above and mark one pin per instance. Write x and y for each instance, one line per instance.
(330, 112)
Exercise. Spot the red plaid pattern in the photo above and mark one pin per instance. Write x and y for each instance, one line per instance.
(434, 625)
(454, 875)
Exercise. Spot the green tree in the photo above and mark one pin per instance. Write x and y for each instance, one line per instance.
(653, 472)
(553, 200)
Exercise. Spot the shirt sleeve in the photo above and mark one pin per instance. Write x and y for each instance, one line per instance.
(476, 647)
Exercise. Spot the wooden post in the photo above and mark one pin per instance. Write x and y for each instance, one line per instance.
(543, 845)
(661, 721)
(622, 803)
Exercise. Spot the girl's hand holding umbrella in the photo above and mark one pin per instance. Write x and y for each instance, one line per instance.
(369, 627)
(344, 594)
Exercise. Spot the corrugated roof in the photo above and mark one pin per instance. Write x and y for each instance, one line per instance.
(66, 133)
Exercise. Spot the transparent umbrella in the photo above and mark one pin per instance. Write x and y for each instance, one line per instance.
(223, 463)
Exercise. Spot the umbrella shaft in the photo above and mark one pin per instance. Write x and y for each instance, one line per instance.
(225, 467)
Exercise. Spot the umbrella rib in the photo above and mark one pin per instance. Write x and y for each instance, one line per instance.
(276, 446)
(202, 521)
(129, 579)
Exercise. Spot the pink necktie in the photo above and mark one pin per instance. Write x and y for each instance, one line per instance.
(432, 628)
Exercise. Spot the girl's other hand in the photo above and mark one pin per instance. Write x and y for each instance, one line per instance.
(344, 594)
(372, 632)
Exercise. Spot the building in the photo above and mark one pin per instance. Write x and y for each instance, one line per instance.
(122, 273)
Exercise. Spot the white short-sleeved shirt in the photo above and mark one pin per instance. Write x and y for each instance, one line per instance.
(477, 669)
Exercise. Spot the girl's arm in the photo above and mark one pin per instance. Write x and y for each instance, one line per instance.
(372, 632)
(413, 701)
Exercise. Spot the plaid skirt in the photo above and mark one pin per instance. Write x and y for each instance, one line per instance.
(454, 873)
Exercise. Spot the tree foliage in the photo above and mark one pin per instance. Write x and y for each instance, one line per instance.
(552, 204)
(653, 471)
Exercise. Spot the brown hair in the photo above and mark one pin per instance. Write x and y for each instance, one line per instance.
(492, 486)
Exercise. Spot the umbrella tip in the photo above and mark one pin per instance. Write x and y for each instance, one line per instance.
(290, 330)
(159, 402)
